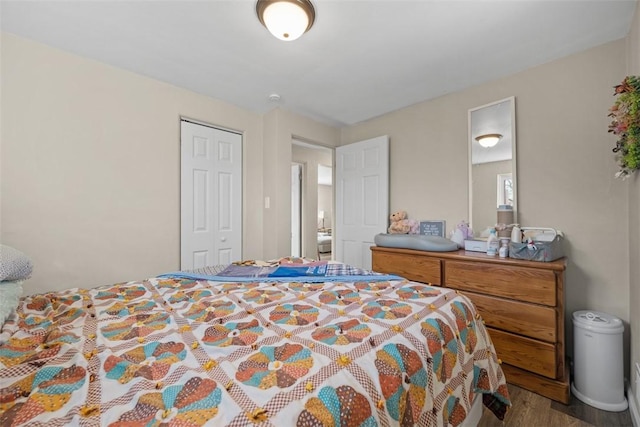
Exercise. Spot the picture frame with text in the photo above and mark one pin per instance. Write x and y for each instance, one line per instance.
(432, 228)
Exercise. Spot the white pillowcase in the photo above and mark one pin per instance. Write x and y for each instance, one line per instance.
(10, 293)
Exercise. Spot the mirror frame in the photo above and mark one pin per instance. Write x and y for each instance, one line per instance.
(514, 175)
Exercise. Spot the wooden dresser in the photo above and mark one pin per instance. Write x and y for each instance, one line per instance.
(521, 303)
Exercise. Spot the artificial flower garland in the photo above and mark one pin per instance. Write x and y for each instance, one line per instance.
(626, 125)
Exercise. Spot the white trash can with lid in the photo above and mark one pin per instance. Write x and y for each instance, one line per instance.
(598, 366)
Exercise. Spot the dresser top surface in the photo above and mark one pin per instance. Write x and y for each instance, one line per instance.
(462, 255)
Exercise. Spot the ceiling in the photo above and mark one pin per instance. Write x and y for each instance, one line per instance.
(361, 59)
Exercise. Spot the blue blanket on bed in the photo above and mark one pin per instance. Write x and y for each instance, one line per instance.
(302, 273)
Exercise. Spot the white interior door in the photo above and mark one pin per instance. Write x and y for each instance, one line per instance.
(296, 209)
(211, 196)
(362, 199)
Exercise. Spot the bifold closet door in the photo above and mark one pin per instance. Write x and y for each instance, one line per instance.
(211, 196)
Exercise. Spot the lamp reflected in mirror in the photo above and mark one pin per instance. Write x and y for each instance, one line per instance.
(489, 140)
(492, 148)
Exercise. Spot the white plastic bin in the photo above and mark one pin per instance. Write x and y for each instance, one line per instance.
(598, 360)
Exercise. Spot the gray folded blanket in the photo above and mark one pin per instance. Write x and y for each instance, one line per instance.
(14, 265)
(415, 241)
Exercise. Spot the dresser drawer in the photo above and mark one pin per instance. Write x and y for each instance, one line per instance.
(518, 283)
(525, 353)
(413, 267)
(533, 321)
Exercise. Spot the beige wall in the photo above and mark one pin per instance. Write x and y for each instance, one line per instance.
(633, 65)
(1, 44)
(90, 167)
(281, 127)
(564, 160)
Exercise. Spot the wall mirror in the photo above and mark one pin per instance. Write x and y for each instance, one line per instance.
(492, 162)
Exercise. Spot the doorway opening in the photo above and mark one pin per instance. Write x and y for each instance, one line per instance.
(315, 215)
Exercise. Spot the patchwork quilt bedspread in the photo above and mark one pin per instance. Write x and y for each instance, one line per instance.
(185, 352)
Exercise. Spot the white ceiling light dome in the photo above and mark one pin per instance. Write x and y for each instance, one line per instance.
(286, 19)
(489, 140)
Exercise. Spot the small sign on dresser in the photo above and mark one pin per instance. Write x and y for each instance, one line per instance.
(432, 228)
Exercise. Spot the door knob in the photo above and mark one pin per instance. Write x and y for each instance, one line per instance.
(223, 239)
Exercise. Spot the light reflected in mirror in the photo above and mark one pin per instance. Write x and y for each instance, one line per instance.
(492, 162)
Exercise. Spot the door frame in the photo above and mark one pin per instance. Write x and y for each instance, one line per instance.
(296, 208)
(310, 215)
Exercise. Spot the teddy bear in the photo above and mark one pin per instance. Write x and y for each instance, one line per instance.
(461, 233)
(414, 226)
(398, 225)
(467, 232)
(401, 225)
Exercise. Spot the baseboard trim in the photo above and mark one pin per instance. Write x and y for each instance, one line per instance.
(633, 409)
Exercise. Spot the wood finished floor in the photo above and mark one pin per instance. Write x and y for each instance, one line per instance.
(530, 409)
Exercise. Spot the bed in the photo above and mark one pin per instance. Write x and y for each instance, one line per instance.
(324, 242)
(272, 344)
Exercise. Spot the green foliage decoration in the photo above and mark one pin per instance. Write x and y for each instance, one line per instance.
(625, 124)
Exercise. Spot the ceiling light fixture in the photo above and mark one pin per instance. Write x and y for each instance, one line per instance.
(286, 19)
(489, 140)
